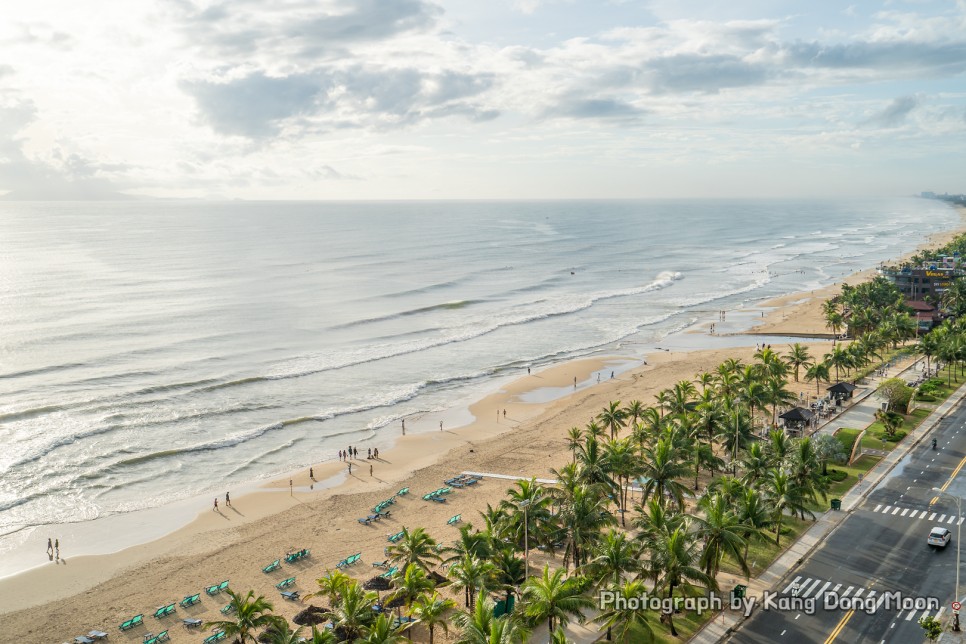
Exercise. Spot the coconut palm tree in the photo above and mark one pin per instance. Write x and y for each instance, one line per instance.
(583, 514)
(819, 372)
(324, 636)
(353, 613)
(782, 495)
(251, 613)
(415, 547)
(634, 412)
(614, 557)
(382, 631)
(281, 633)
(798, 357)
(575, 438)
(332, 585)
(722, 531)
(676, 555)
(754, 515)
(839, 358)
(777, 394)
(629, 624)
(556, 598)
(509, 571)
(527, 508)
(470, 575)
(481, 627)
(410, 585)
(755, 464)
(591, 465)
(660, 470)
(431, 611)
(612, 417)
(623, 465)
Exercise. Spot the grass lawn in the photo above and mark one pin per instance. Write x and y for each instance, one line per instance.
(762, 553)
(847, 438)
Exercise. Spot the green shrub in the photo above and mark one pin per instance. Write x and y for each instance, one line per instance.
(925, 397)
(838, 475)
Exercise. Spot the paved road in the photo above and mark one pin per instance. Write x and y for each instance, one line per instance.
(881, 547)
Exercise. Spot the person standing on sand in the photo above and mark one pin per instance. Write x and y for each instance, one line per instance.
(528, 371)
(227, 500)
(440, 425)
(215, 509)
(350, 468)
(575, 382)
(311, 474)
(370, 469)
(57, 548)
(50, 548)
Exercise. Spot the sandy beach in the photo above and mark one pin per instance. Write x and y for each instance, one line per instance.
(57, 601)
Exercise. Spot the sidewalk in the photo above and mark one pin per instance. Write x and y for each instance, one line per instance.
(721, 627)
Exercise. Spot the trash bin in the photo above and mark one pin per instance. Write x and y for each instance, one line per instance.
(739, 591)
(836, 504)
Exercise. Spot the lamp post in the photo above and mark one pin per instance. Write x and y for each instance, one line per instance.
(959, 530)
(524, 504)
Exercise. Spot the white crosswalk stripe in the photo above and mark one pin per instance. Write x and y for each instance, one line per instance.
(809, 591)
(847, 591)
(877, 507)
(789, 587)
(932, 516)
(903, 513)
(819, 593)
(836, 588)
(942, 518)
(911, 614)
(896, 510)
(924, 513)
(858, 592)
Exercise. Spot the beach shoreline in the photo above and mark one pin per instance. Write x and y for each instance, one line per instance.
(268, 518)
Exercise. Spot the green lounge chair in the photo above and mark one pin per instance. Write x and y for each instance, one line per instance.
(389, 574)
(190, 600)
(292, 596)
(217, 637)
(381, 564)
(155, 639)
(275, 565)
(403, 492)
(285, 583)
(164, 611)
(131, 623)
(217, 588)
(227, 609)
(454, 520)
(395, 537)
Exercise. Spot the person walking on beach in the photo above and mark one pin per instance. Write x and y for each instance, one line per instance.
(355, 452)
(50, 548)
(575, 382)
(370, 453)
(375, 452)
(370, 469)
(57, 549)
(311, 473)
(404, 426)
(504, 413)
(215, 509)
(440, 425)
(528, 371)
(227, 500)
(350, 468)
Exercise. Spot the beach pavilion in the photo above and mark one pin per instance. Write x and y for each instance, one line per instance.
(841, 391)
(797, 419)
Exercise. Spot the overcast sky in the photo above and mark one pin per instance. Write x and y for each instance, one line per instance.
(390, 99)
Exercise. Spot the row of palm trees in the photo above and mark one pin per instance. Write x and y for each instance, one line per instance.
(627, 514)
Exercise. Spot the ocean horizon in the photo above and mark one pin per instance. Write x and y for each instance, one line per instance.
(156, 351)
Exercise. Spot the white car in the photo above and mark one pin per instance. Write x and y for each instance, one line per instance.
(939, 537)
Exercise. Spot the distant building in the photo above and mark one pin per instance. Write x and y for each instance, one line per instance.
(926, 283)
(928, 195)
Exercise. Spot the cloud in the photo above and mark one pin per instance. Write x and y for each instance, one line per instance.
(935, 59)
(697, 73)
(305, 29)
(895, 113)
(6, 70)
(258, 106)
(595, 108)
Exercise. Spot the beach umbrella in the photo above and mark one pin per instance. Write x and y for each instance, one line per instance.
(378, 584)
(311, 616)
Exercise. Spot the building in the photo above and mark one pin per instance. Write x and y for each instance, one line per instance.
(926, 283)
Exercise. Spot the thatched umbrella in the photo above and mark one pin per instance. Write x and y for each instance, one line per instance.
(311, 616)
(378, 584)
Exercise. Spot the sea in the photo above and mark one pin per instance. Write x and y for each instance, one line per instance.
(152, 351)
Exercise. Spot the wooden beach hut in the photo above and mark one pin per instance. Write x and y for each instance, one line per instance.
(797, 419)
(841, 391)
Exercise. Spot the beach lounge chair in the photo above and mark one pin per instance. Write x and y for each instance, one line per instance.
(457, 484)
(217, 588)
(395, 537)
(381, 564)
(385, 514)
(438, 499)
(227, 609)
(190, 600)
(217, 637)
(164, 611)
(285, 583)
(402, 620)
(155, 639)
(389, 574)
(192, 622)
(403, 492)
(376, 516)
(83, 639)
(275, 565)
(137, 620)
(454, 520)
(292, 595)
(365, 521)
(97, 635)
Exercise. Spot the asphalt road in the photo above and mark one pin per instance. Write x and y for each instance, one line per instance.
(880, 548)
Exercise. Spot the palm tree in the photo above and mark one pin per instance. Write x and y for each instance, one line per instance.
(324, 636)
(410, 585)
(481, 627)
(431, 612)
(583, 514)
(798, 357)
(527, 508)
(782, 495)
(755, 464)
(509, 571)
(332, 585)
(622, 463)
(721, 530)
(614, 557)
(353, 613)
(839, 358)
(612, 417)
(591, 465)
(383, 631)
(661, 468)
(575, 438)
(754, 515)
(415, 547)
(777, 395)
(282, 633)
(676, 555)
(556, 598)
(630, 624)
(818, 372)
(250, 614)
(470, 575)
(634, 412)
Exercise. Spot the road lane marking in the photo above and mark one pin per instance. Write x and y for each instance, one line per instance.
(960, 521)
(950, 479)
(785, 631)
(809, 591)
(877, 507)
(836, 589)
(932, 516)
(819, 593)
(896, 510)
(942, 518)
(838, 628)
(858, 592)
(951, 519)
(847, 591)
(924, 513)
(911, 614)
(789, 586)
(887, 508)
(904, 512)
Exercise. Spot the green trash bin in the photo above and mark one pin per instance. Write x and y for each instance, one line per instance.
(836, 504)
(739, 591)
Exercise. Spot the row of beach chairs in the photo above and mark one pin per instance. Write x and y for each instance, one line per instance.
(348, 561)
(437, 495)
(162, 611)
(463, 480)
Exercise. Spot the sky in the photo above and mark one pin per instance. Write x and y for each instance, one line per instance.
(481, 99)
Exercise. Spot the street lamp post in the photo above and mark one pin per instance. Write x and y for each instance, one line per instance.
(959, 531)
(526, 540)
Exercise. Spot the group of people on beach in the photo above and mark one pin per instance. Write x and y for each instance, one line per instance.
(53, 549)
(227, 501)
